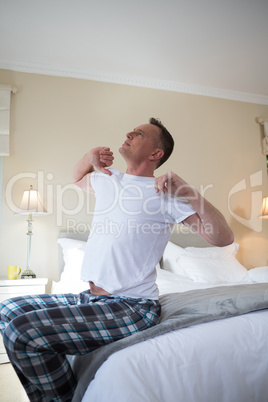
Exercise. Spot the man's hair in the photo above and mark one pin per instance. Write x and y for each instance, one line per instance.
(165, 141)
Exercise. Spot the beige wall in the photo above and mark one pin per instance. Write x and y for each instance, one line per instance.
(54, 121)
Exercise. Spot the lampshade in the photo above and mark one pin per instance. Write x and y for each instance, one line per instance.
(264, 209)
(31, 203)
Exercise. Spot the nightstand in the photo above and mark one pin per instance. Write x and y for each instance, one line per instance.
(19, 287)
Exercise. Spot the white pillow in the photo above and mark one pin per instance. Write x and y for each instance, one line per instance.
(211, 270)
(259, 274)
(73, 254)
(208, 264)
(232, 250)
(170, 256)
(172, 252)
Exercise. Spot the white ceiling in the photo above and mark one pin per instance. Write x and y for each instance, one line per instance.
(210, 47)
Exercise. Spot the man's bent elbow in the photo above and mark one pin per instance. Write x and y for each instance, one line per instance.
(230, 238)
(225, 240)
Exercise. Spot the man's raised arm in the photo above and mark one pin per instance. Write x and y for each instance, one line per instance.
(99, 158)
(208, 222)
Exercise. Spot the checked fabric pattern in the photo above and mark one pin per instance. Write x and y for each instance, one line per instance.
(39, 331)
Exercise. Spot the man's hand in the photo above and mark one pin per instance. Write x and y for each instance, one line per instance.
(101, 158)
(173, 184)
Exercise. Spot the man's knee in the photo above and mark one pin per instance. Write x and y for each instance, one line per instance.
(7, 313)
(16, 334)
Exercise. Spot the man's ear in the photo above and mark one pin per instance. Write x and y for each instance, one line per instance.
(156, 154)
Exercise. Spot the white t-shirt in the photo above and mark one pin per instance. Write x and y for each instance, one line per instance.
(129, 232)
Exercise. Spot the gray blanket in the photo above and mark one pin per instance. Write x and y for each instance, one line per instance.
(179, 310)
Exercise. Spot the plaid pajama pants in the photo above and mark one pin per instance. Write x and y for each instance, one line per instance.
(39, 331)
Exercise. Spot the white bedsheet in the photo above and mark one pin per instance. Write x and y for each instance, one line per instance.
(223, 361)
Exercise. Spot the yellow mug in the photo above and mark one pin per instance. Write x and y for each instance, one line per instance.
(13, 271)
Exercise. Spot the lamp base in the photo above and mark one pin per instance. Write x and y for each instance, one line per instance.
(28, 274)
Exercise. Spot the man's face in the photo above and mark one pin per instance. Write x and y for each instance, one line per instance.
(140, 143)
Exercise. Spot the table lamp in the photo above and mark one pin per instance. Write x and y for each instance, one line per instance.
(264, 209)
(30, 205)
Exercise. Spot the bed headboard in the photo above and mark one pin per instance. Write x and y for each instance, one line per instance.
(183, 238)
(74, 235)
(187, 238)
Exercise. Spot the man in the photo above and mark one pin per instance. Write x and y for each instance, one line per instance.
(133, 219)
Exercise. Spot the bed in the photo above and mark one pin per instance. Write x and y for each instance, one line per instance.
(211, 344)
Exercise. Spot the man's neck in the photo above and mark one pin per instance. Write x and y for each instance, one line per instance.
(147, 171)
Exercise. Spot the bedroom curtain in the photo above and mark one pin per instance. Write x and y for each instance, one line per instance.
(5, 96)
(1, 186)
(265, 142)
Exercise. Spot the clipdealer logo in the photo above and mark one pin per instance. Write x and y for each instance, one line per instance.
(57, 196)
(254, 222)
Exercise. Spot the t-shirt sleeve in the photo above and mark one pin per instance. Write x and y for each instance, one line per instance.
(95, 178)
(179, 209)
